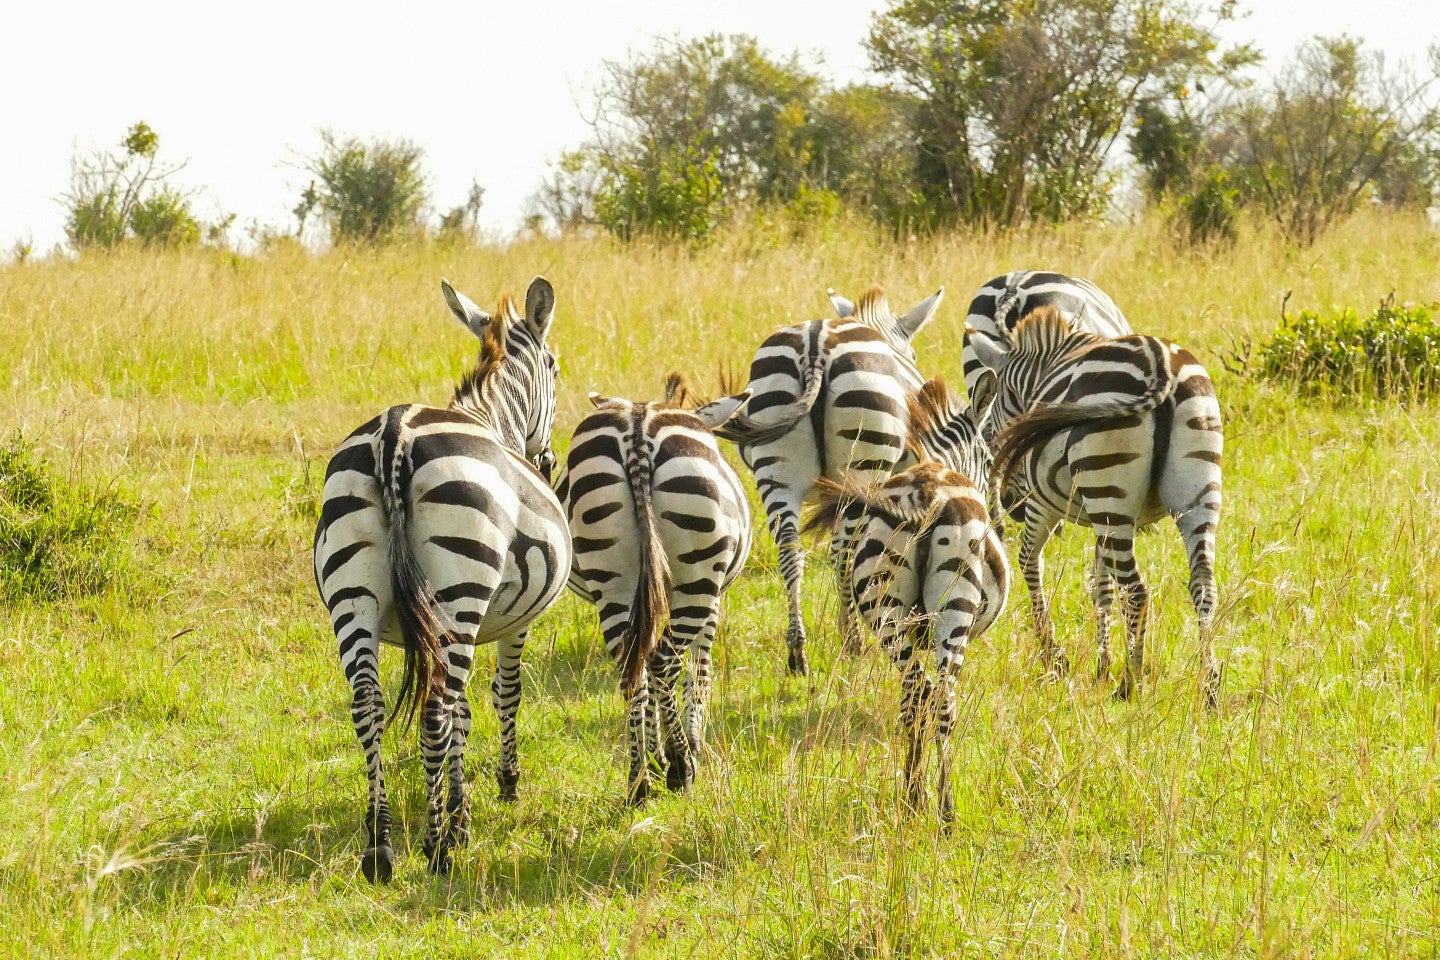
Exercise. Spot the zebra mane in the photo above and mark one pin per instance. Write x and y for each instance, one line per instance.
(1044, 331)
(680, 392)
(472, 394)
(873, 310)
(931, 409)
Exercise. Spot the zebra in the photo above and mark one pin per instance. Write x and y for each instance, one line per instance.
(439, 532)
(926, 565)
(825, 399)
(1004, 301)
(1111, 433)
(661, 527)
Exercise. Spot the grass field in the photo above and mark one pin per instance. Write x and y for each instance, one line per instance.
(180, 778)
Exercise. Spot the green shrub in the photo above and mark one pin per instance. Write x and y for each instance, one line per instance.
(365, 192)
(1393, 353)
(1209, 213)
(56, 540)
(116, 196)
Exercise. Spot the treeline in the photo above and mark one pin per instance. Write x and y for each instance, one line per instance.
(1003, 112)
(994, 113)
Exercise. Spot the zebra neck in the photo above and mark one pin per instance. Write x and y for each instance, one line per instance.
(475, 405)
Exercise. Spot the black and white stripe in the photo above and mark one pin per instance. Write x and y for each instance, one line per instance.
(1112, 433)
(1004, 301)
(661, 527)
(438, 534)
(825, 399)
(927, 568)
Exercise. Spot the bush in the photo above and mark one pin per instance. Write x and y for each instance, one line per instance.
(114, 197)
(365, 192)
(1208, 214)
(1394, 353)
(56, 541)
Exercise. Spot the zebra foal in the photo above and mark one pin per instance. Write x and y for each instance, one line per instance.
(661, 527)
(438, 533)
(926, 566)
(1006, 300)
(1110, 433)
(825, 399)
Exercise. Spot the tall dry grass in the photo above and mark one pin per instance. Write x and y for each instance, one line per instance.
(180, 777)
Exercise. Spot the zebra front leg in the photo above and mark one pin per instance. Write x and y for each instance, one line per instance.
(1038, 531)
(852, 639)
(505, 697)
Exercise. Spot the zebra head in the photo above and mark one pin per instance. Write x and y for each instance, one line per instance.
(520, 404)
(873, 310)
(944, 429)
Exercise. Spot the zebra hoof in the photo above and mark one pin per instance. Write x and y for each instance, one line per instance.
(798, 665)
(508, 781)
(1126, 691)
(441, 863)
(639, 792)
(378, 864)
(680, 775)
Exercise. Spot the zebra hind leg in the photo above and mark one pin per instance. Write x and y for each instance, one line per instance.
(669, 744)
(505, 697)
(698, 682)
(1197, 526)
(435, 737)
(852, 638)
(1115, 543)
(785, 527)
(636, 698)
(1102, 593)
(457, 803)
(367, 712)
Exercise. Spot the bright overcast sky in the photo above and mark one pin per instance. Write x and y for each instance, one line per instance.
(489, 90)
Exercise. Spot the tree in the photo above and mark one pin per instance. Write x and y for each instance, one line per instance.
(1334, 127)
(364, 192)
(462, 223)
(1022, 101)
(114, 197)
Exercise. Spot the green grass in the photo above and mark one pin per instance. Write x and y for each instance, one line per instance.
(180, 778)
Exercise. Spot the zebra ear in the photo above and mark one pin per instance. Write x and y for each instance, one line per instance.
(843, 307)
(597, 400)
(464, 308)
(921, 313)
(987, 351)
(717, 412)
(540, 306)
(982, 398)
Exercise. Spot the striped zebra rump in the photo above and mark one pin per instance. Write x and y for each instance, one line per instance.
(1111, 433)
(438, 532)
(661, 526)
(1004, 301)
(825, 399)
(927, 567)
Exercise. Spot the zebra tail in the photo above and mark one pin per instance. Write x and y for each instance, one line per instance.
(1033, 428)
(422, 622)
(744, 429)
(652, 591)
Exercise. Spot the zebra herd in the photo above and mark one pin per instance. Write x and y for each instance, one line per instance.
(443, 529)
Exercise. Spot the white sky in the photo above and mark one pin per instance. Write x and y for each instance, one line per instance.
(492, 91)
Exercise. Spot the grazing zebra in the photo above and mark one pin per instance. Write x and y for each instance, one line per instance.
(1004, 301)
(926, 567)
(825, 399)
(661, 527)
(438, 534)
(1112, 433)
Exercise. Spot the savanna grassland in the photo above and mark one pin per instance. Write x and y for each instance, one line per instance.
(180, 777)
